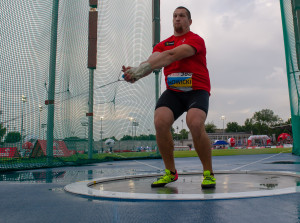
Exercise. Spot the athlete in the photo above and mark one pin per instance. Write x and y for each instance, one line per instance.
(183, 56)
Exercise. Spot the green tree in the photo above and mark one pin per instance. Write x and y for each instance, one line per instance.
(2, 131)
(126, 137)
(249, 125)
(74, 138)
(184, 134)
(152, 137)
(114, 138)
(172, 130)
(266, 117)
(13, 137)
(261, 129)
(263, 120)
(233, 127)
(210, 127)
(176, 136)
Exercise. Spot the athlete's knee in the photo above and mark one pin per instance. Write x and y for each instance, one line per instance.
(161, 124)
(163, 119)
(196, 126)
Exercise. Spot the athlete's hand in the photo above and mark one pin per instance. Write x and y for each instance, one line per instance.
(126, 76)
(132, 74)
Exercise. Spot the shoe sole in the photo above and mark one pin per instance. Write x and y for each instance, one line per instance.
(208, 186)
(162, 184)
(158, 185)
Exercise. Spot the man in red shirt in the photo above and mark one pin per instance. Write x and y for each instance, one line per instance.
(183, 56)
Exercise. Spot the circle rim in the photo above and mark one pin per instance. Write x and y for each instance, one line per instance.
(83, 188)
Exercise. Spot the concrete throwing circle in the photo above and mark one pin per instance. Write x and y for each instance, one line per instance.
(230, 185)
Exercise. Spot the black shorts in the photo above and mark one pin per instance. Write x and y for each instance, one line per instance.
(180, 102)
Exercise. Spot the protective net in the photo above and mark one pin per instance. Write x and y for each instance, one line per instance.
(123, 112)
(290, 11)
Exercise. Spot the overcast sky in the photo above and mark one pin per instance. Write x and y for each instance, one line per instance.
(245, 55)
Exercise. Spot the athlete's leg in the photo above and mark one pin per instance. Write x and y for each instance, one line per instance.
(195, 120)
(163, 120)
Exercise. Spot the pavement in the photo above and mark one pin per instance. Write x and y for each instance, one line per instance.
(39, 195)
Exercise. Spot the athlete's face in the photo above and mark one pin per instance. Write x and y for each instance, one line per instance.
(181, 22)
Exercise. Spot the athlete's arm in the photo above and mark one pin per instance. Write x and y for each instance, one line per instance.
(156, 61)
(167, 57)
(132, 74)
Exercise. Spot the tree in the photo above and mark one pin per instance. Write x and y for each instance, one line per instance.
(233, 127)
(114, 138)
(184, 134)
(72, 138)
(141, 137)
(13, 137)
(266, 117)
(126, 137)
(176, 136)
(261, 122)
(2, 131)
(210, 127)
(249, 125)
(152, 137)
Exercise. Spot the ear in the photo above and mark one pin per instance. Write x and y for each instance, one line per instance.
(191, 21)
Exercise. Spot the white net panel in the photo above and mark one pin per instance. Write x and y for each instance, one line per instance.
(124, 38)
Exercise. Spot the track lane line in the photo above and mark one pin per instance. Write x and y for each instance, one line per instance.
(257, 161)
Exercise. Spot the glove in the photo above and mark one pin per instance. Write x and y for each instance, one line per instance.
(137, 73)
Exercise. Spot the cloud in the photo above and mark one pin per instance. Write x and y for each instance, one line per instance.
(278, 75)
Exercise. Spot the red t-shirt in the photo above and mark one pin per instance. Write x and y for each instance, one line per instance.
(189, 73)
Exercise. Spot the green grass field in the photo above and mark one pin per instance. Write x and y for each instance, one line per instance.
(82, 159)
(179, 154)
(232, 152)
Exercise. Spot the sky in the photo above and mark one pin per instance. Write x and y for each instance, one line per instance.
(245, 56)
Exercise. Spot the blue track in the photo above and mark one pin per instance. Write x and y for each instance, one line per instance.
(38, 195)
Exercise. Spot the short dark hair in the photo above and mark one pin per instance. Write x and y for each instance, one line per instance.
(188, 11)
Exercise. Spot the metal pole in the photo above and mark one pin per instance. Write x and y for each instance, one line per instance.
(223, 119)
(132, 130)
(23, 99)
(91, 64)
(22, 129)
(182, 132)
(51, 89)
(101, 132)
(156, 40)
(39, 125)
(295, 119)
(90, 117)
(40, 110)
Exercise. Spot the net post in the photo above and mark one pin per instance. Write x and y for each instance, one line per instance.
(156, 40)
(51, 89)
(92, 64)
(295, 112)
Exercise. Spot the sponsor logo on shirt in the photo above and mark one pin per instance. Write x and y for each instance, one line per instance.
(169, 43)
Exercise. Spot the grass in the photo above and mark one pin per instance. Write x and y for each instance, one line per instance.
(110, 156)
(179, 154)
(232, 152)
(82, 159)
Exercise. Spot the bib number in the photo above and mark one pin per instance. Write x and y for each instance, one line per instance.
(180, 81)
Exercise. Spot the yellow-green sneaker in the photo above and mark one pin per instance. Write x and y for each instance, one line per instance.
(209, 181)
(165, 179)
